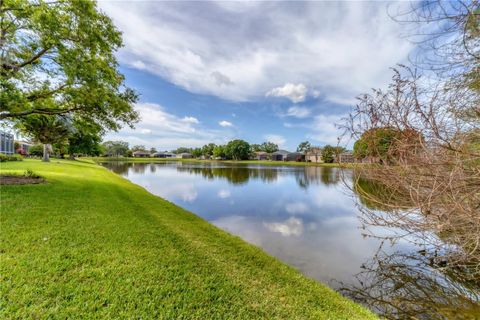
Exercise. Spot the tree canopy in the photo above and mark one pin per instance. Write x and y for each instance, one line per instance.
(237, 150)
(46, 129)
(115, 148)
(304, 146)
(57, 58)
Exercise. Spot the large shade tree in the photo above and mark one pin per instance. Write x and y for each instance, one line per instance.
(57, 58)
(237, 150)
(46, 130)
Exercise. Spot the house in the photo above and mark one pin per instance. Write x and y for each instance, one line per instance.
(280, 155)
(314, 155)
(141, 154)
(346, 157)
(164, 155)
(295, 156)
(260, 155)
(184, 155)
(6, 143)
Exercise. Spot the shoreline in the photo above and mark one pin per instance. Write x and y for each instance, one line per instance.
(257, 162)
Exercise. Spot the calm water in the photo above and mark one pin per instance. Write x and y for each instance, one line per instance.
(305, 216)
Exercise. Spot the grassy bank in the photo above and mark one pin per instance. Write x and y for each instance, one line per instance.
(253, 162)
(90, 244)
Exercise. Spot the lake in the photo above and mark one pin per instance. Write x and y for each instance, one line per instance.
(308, 217)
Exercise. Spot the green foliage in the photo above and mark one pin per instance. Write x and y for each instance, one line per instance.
(219, 152)
(269, 147)
(153, 150)
(256, 147)
(115, 148)
(207, 150)
(197, 152)
(304, 147)
(138, 148)
(10, 157)
(58, 57)
(237, 150)
(182, 150)
(45, 129)
(84, 143)
(384, 143)
(30, 174)
(328, 154)
(36, 150)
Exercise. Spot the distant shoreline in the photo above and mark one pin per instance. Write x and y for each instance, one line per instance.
(260, 162)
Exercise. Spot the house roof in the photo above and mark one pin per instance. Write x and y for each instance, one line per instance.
(281, 152)
(140, 152)
(166, 153)
(261, 153)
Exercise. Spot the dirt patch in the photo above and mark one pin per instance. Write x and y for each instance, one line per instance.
(8, 179)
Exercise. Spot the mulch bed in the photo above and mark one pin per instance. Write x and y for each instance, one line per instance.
(7, 179)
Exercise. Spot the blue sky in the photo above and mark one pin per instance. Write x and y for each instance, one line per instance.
(261, 71)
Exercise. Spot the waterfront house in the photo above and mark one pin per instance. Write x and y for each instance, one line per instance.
(314, 155)
(184, 155)
(280, 155)
(260, 155)
(346, 157)
(164, 155)
(295, 156)
(141, 154)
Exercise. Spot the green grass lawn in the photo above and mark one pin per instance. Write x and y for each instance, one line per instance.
(90, 244)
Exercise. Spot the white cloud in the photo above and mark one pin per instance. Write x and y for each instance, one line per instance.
(192, 120)
(165, 131)
(296, 207)
(275, 138)
(294, 92)
(298, 112)
(290, 227)
(339, 48)
(324, 129)
(139, 65)
(225, 123)
(224, 193)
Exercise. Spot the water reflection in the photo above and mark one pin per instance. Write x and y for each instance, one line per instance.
(416, 285)
(307, 217)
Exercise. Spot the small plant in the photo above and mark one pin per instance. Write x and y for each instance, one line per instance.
(30, 174)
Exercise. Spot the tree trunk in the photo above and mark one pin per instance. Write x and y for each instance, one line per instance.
(46, 156)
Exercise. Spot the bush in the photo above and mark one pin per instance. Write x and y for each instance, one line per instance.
(36, 150)
(30, 174)
(10, 157)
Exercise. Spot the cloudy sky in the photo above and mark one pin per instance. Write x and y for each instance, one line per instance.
(261, 71)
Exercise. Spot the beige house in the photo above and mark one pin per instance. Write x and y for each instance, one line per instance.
(346, 157)
(314, 155)
(261, 155)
